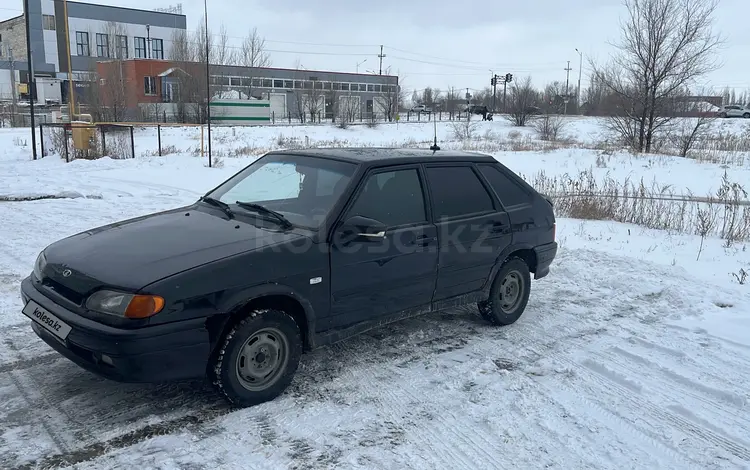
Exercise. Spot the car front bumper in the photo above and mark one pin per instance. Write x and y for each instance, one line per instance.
(160, 353)
(545, 254)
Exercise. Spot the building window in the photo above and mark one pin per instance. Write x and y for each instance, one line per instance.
(344, 87)
(82, 43)
(149, 85)
(289, 84)
(122, 46)
(102, 45)
(157, 48)
(267, 83)
(370, 87)
(278, 83)
(48, 22)
(140, 48)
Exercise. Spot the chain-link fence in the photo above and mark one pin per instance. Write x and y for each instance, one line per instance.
(73, 141)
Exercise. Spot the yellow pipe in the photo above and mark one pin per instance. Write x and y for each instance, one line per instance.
(71, 99)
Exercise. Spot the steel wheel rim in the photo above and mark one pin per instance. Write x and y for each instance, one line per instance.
(510, 291)
(262, 359)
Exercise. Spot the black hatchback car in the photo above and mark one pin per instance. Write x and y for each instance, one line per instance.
(295, 251)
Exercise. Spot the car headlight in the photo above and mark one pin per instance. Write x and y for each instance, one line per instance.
(39, 265)
(121, 304)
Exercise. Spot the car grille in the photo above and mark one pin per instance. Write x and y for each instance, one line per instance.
(62, 291)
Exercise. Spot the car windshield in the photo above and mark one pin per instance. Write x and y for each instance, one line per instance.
(301, 189)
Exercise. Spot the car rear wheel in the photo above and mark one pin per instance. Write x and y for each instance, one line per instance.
(746, 115)
(258, 358)
(509, 293)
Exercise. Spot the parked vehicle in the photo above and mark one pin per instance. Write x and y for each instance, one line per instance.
(420, 108)
(733, 110)
(298, 250)
(476, 109)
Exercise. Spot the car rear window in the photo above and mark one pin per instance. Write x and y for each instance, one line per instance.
(508, 191)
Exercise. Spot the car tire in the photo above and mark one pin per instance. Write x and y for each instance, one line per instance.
(509, 293)
(258, 358)
(746, 115)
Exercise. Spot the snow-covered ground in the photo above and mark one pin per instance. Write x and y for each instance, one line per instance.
(632, 353)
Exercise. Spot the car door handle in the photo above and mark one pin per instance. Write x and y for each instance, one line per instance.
(499, 227)
(380, 234)
(424, 240)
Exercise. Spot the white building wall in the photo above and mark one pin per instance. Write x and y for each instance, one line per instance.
(131, 30)
(5, 84)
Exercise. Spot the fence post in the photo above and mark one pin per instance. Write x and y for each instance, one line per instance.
(201, 140)
(65, 138)
(41, 138)
(132, 141)
(158, 133)
(273, 117)
(104, 141)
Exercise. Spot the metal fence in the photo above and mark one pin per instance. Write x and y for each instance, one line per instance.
(75, 140)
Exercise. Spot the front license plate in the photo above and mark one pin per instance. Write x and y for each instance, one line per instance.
(48, 321)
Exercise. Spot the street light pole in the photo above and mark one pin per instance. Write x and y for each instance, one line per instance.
(208, 84)
(580, 71)
(31, 78)
(360, 63)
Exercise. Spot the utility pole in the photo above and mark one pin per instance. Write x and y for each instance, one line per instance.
(567, 94)
(580, 71)
(493, 82)
(31, 77)
(508, 78)
(208, 84)
(12, 88)
(381, 55)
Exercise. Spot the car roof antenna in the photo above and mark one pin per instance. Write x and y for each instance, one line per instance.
(434, 146)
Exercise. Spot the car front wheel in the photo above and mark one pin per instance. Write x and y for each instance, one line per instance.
(258, 358)
(509, 293)
(746, 115)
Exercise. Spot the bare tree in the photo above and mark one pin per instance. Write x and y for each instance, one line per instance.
(314, 100)
(451, 100)
(390, 97)
(665, 46)
(253, 55)
(549, 127)
(522, 97)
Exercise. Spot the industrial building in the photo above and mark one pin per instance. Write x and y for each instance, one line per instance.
(136, 44)
(95, 32)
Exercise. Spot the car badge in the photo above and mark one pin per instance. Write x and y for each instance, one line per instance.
(67, 273)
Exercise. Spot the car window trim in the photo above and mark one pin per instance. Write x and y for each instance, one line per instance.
(496, 206)
(505, 207)
(385, 169)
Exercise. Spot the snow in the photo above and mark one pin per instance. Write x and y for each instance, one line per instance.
(632, 353)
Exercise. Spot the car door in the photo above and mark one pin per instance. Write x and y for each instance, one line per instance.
(518, 202)
(472, 228)
(374, 276)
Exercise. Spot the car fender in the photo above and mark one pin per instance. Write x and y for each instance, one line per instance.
(238, 298)
(500, 260)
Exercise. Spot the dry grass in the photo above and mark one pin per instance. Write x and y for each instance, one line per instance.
(652, 206)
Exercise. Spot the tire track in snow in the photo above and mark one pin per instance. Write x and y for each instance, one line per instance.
(687, 388)
(582, 402)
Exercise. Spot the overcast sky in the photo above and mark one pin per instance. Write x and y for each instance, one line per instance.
(440, 43)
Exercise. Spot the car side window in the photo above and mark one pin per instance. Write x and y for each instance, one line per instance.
(457, 191)
(508, 191)
(393, 198)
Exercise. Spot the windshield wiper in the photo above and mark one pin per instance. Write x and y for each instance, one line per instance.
(283, 221)
(220, 204)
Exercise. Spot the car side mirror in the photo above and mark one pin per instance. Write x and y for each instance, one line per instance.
(363, 227)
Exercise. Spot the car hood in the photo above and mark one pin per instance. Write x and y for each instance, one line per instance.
(134, 253)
